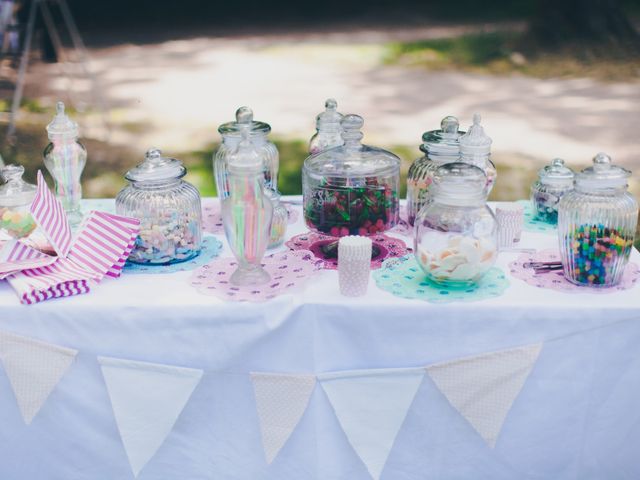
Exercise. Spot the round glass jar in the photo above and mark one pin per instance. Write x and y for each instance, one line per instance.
(16, 196)
(456, 232)
(439, 147)
(328, 130)
(168, 209)
(351, 189)
(553, 182)
(475, 149)
(231, 136)
(596, 225)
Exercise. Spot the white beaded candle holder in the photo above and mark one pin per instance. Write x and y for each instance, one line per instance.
(354, 265)
(510, 217)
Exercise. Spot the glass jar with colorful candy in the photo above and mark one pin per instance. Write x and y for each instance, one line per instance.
(65, 158)
(16, 196)
(230, 133)
(475, 149)
(351, 189)
(596, 225)
(168, 209)
(439, 147)
(554, 181)
(328, 130)
(456, 232)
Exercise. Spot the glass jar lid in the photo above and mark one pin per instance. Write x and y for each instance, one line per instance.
(330, 117)
(475, 141)
(156, 168)
(602, 175)
(62, 125)
(244, 116)
(15, 192)
(556, 173)
(459, 184)
(353, 159)
(444, 141)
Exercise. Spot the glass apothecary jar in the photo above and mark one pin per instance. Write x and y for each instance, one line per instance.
(328, 130)
(351, 189)
(231, 136)
(596, 225)
(16, 196)
(439, 147)
(475, 149)
(456, 232)
(168, 209)
(554, 181)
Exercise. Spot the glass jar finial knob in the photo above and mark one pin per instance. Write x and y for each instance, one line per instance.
(244, 115)
(601, 162)
(154, 154)
(449, 124)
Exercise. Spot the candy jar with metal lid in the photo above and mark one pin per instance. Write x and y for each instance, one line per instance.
(328, 130)
(65, 158)
(597, 224)
(16, 196)
(279, 220)
(168, 209)
(456, 232)
(553, 182)
(231, 137)
(351, 189)
(475, 149)
(247, 211)
(439, 147)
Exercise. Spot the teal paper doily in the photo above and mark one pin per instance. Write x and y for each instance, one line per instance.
(404, 278)
(531, 223)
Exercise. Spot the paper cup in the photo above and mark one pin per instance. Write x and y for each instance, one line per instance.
(510, 218)
(354, 265)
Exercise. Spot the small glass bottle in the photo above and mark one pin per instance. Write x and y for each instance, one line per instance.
(16, 196)
(247, 211)
(65, 158)
(279, 220)
(439, 147)
(456, 232)
(554, 181)
(231, 137)
(597, 224)
(328, 130)
(475, 149)
(168, 208)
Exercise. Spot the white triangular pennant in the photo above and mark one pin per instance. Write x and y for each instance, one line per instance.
(34, 369)
(147, 399)
(483, 388)
(281, 400)
(371, 406)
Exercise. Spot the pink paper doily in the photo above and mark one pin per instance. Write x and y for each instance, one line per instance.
(387, 247)
(212, 218)
(555, 280)
(288, 270)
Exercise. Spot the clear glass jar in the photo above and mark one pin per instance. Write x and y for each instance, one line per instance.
(16, 196)
(597, 224)
(328, 130)
(168, 209)
(475, 149)
(65, 158)
(554, 181)
(230, 133)
(439, 147)
(456, 232)
(279, 220)
(351, 189)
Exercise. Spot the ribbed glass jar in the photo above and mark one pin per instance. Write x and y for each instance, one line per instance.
(554, 181)
(597, 224)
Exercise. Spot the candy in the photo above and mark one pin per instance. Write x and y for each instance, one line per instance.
(17, 224)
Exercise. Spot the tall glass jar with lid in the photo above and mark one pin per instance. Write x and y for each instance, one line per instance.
(439, 147)
(475, 149)
(596, 225)
(168, 209)
(554, 181)
(16, 196)
(456, 232)
(328, 130)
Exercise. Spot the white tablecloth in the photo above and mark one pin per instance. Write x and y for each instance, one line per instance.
(577, 417)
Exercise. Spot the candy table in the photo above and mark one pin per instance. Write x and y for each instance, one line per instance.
(576, 416)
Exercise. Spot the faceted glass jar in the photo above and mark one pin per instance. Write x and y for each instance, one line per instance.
(168, 209)
(554, 181)
(231, 136)
(279, 220)
(456, 232)
(439, 147)
(351, 189)
(475, 149)
(15, 201)
(596, 225)
(328, 130)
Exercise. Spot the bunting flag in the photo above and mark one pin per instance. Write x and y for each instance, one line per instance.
(281, 400)
(34, 369)
(147, 399)
(49, 214)
(483, 388)
(371, 406)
